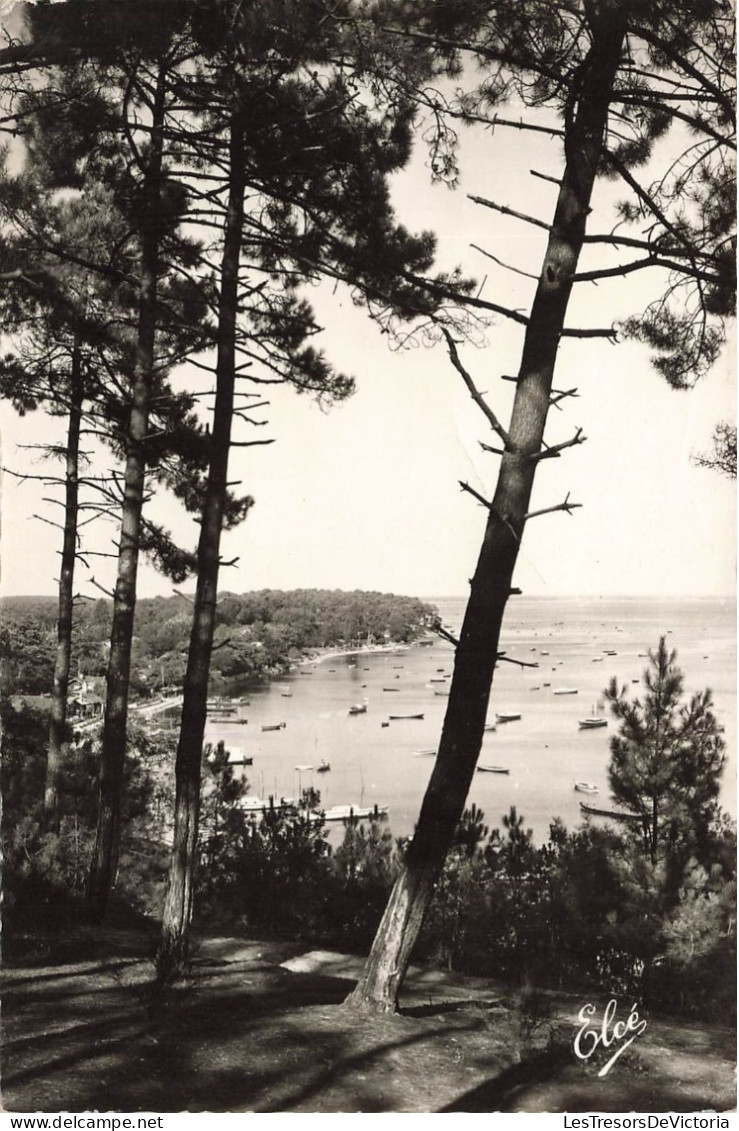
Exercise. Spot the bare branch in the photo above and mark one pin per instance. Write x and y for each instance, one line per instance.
(441, 631)
(102, 588)
(639, 265)
(566, 506)
(544, 177)
(48, 521)
(509, 212)
(474, 392)
(560, 395)
(610, 333)
(501, 656)
(501, 263)
(475, 494)
(554, 451)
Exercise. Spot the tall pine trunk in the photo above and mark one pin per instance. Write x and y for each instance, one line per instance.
(58, 711)
(180, 884)
(105, 854)
(476, 653)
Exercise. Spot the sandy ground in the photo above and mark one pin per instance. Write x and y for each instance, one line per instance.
(259, 1027)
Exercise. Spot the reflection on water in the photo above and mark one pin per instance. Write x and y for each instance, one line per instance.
(577, 642)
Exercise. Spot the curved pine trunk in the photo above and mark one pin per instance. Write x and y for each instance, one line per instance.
(112, 758)
(180, 884)
(58, 711)
(476, 653)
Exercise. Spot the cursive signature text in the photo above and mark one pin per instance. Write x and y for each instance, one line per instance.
(606, 1033)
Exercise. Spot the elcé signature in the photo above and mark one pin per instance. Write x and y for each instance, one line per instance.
(608, 1032)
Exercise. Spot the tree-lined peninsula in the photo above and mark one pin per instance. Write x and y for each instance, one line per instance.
(257, 634)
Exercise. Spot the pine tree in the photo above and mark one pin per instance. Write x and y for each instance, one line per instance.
(615, 103)
(666, 760)
(294, 219)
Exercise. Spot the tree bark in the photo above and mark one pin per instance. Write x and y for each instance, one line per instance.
(180, 884)
(105, 854)
(58, 711)
(462, 732)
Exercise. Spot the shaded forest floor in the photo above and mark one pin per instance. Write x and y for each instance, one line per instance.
(258, 1027)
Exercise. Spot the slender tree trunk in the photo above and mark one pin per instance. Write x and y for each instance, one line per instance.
(58, 712)
(180, 884)
(476, 653)
(105, 856)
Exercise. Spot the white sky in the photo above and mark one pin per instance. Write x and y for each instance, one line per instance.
(367, 495)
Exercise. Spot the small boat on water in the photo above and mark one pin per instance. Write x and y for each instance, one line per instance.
(236, 757)
(303, 769)
(565, 691)
(608, 813)
(286, 694)
(396, 717)
(323, 767)
(507, 717)
(437, 679)
(438, 692)
(391, 689)
(585, 787)
(489, 727)
(358, 709)
(592, 723)
(492, 770)
(274, 726)
(358, 812)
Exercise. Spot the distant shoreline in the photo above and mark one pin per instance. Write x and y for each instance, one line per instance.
(360, 650)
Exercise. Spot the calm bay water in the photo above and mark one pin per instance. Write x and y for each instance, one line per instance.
(545, 751)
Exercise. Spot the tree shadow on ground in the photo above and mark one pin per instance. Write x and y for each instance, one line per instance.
(501, 1091)
(244, 1034)
(550, 1082)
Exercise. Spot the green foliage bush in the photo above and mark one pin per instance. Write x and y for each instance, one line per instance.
(45, 862)
(586, 909)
